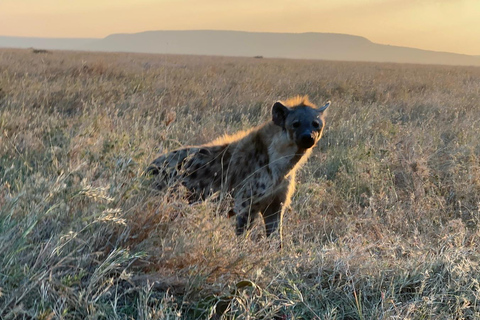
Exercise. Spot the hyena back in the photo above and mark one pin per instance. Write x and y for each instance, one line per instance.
(256, 167)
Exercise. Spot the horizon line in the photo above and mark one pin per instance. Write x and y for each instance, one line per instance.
(240, 31)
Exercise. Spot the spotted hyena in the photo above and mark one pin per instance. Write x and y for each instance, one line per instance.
(256, 167)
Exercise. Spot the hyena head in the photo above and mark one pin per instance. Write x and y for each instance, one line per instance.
(302, 120)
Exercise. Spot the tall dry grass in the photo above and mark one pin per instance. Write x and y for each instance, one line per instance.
(384, 223)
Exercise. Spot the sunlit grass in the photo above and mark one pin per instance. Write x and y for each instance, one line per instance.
(384, 222)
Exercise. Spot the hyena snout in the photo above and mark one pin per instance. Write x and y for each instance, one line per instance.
(306, 140)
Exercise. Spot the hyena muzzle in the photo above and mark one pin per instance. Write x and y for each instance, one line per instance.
(257, 167)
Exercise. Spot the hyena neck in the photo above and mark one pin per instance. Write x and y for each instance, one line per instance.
(284, 154)
(299, 159)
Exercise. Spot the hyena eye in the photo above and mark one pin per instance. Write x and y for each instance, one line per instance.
(296, 124)
(316, 124)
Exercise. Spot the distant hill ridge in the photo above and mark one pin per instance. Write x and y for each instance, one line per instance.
(311, 45)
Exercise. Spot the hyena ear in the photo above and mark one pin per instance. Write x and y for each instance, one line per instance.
(322, 109)
(279, 114)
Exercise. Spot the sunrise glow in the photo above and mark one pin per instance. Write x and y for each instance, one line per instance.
(452, 26)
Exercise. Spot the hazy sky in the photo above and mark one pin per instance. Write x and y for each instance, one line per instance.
(441, 25)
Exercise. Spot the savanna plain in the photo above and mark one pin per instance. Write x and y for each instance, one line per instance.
(384, 223)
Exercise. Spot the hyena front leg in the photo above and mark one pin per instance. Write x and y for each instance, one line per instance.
(273, 216)
(273, 211)
(246, 213)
